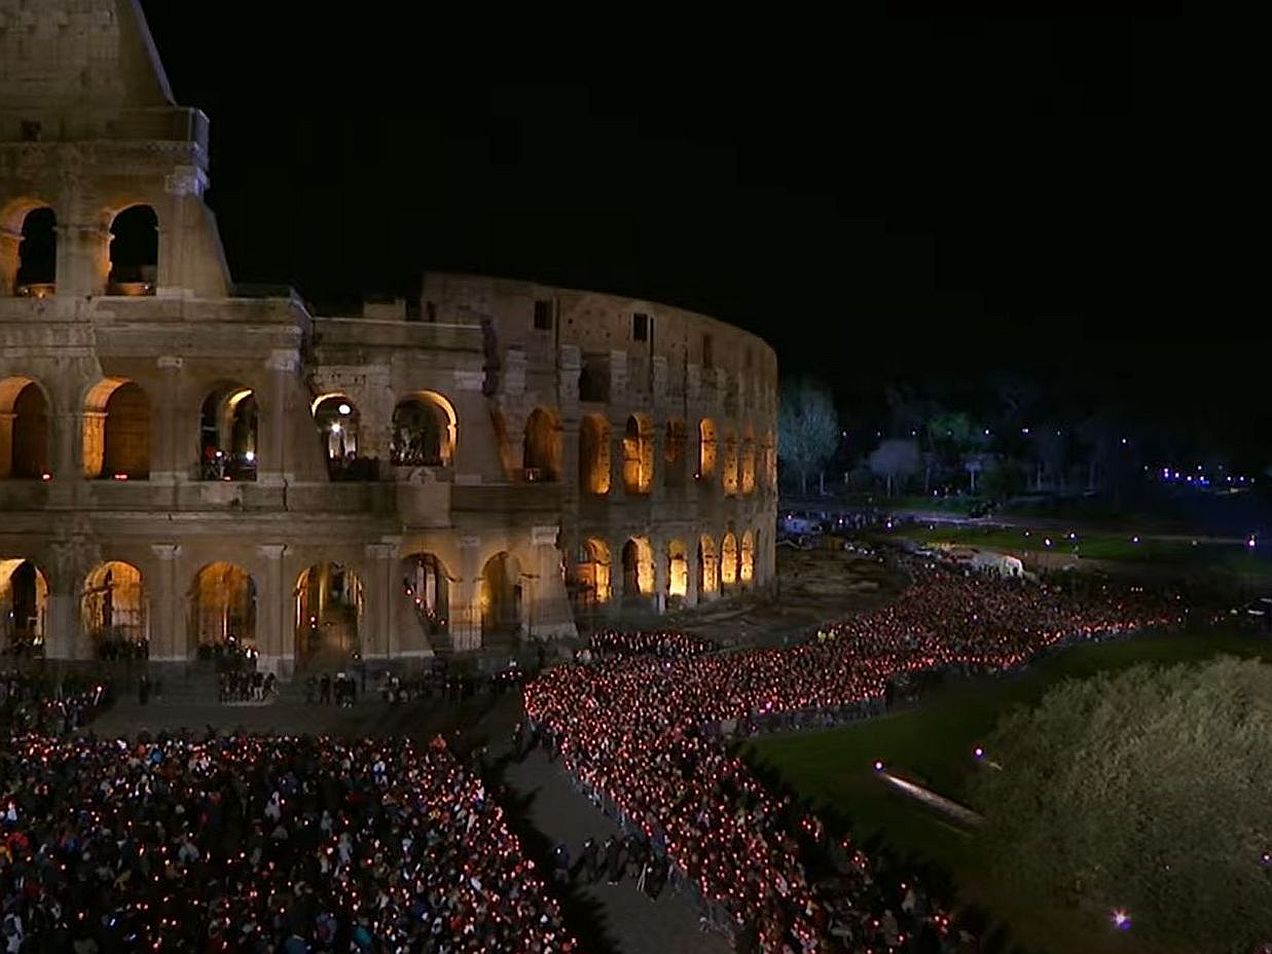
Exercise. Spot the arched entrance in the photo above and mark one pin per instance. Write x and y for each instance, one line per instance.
(24, 429)
(339, 424)
(24, 605)
(227, 434)
(223, 610)
(594, 455)
(638, 568)
(499, 597)
(134, 252)
(594, 574)
(117, 431)
(638, 455)
(541, 450)
(113, 611)
(677, 570)
(36, 275)
(328, 608)
(729, 560)
(426, 584)
(424, 431)
(708, 568)
(746, 568)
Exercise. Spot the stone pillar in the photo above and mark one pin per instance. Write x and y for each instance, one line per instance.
(273, 469)
(169, 638)
(661, 572)
(552, 616)
(465, 630)
(93, 435)
(83, 258)
(375, 633)
(691, 571)
(6, 442)
(174, 452)
(10, 240)
(658, 488)
(617, 491)
(277, 653)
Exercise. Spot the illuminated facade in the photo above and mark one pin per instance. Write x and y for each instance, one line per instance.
(187, 464)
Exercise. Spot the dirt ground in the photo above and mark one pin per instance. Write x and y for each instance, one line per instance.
(814, 587)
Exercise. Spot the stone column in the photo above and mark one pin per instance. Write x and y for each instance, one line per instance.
(174, 452)
(617, 491)
(552, 615)
(465, 630)
(375, 633)
(10, 240)
(93, 437)
(277, 654)
(273, 469)
(6, 442)
(83, 258)
(691, 570)
(169, 639)
(661, 572)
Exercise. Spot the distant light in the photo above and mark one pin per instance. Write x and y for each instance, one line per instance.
(1047, 541)
(46, 476)
(346, 409)
(1024, 430)
(335, 427)
(978, 753)
(1121, 920)
(878, 765)
(1135, 539)
(121, 476)
(1123, 440)
(987, 432)
(1072, 535)
(1250, 542)
(250, 456)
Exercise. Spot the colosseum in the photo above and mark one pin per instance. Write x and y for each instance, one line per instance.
(188, 465)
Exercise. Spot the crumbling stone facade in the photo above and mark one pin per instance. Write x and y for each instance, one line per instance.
(185, 463)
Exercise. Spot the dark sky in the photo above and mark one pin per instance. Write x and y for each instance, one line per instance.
(913, 195)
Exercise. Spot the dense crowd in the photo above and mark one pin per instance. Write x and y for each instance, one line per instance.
(33, 703)
(665, 643)
(260, 843)
(639, 732)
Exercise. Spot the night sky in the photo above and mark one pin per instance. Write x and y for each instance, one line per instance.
(895, 196)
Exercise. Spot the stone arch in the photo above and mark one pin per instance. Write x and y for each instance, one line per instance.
(228, 438)
(746, 561)
(638, 568)
(674, 454)
(706, 450)
(426, 587)
(35, 267)
(328, 605)
(638, 455)
(339, 426)
(222, 603)
(134, 251)
(24, 605)
(117, 430)
(541, 449)
(729, 559)
(677, 570)
(499, 596)
(594, 573)
(24, 428)
(594, 455)
(425, 431)
(708, 567)
(747, 463)
(113, 611)
(729, 477)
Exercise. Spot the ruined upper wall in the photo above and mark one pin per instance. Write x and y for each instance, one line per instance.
(77, 68)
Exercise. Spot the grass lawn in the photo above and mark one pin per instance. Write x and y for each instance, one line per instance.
(933, 745)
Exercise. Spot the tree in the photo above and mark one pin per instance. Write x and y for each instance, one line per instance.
(807, 428)
(1144, 792)
(895, 458)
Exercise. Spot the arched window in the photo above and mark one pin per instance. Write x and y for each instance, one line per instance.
(748, 463)
(706, 450)
(425, 429)
(499, 596)
(729, 560)
(227, 434)
(117, 431)
(638, 568)
(328, 608)
(638, 455)
(223, 609)
(541, 450)
(594, 455)
(746, 567)
(24, 429)
(113, 611)
(24, 604)
(674, 454)
(339, 429)
(708, 568)
(134, 252)
(677, 569)
(36, 275)
(730, 478)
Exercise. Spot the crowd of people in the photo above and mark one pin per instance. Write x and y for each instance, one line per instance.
(260, 843)
(663, 643)
(639, 733)
(34, 703)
